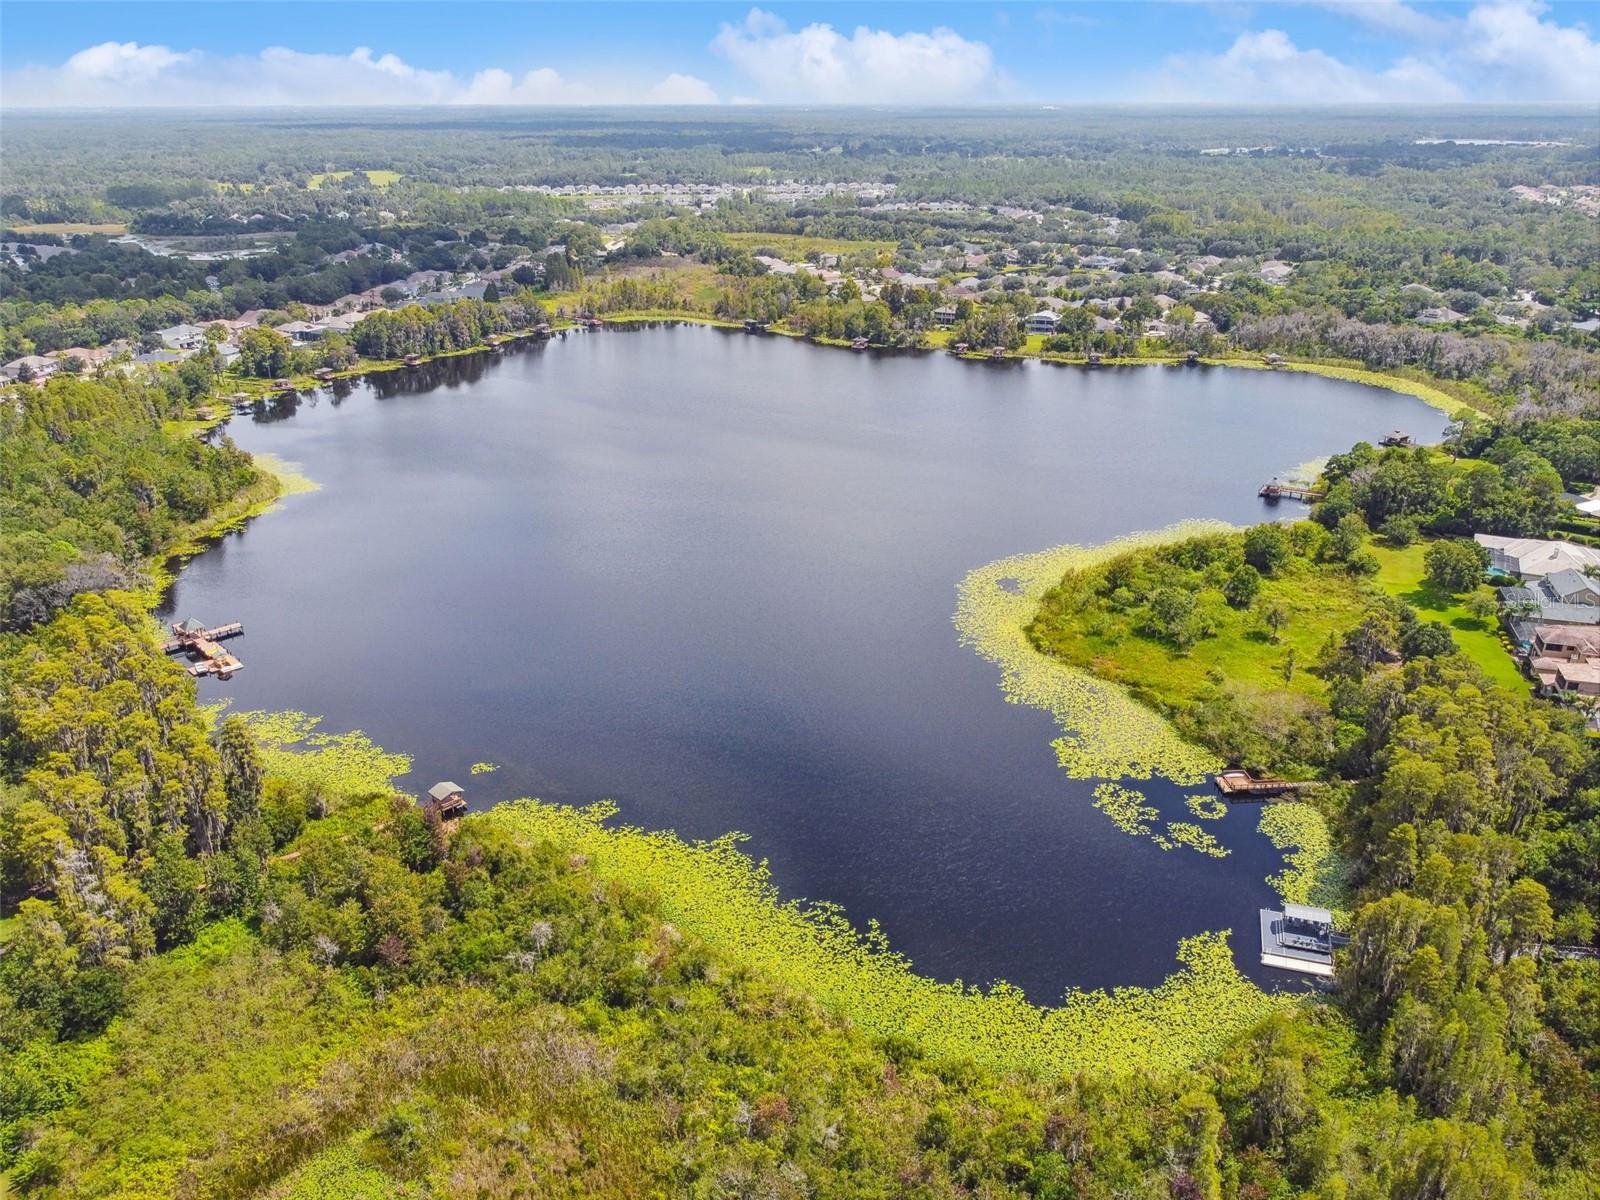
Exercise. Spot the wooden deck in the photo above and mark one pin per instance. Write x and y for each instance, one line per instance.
(1239, 786)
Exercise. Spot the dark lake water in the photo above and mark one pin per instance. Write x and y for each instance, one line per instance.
(711, 577)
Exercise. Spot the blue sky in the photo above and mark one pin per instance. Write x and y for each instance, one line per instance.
(97, 54)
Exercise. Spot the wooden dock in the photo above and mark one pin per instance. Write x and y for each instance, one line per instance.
(184, 638)
(1275, 491)
(200, 643)
(1240, 786)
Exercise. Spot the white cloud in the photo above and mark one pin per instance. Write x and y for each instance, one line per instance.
(127, 74)
(1388, 16)
(1502, 50)
(681, 89)
(1527, 55)
(121, 61)
(1267, 67)
(820, 64)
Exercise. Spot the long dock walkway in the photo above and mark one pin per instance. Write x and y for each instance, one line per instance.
(1290, 491)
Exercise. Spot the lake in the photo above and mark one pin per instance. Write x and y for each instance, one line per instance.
(711, 576)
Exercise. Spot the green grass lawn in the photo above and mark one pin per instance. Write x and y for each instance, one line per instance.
(1402, 575)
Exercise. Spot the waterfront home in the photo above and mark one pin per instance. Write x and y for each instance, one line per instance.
(1534, 558)
(945, 315)
(1043, 321)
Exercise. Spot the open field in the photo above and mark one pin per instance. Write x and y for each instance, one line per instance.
(380, 179)
(65, 227)
(798, 245)
(1317, 601)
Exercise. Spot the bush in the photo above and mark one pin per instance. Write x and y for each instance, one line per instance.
(1267, 548)
(1401, 531)
(1242, 586)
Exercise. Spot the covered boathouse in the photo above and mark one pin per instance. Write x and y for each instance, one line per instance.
(1300, 938)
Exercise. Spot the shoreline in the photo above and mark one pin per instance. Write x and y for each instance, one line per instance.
(1162, 753)
(1430, 392)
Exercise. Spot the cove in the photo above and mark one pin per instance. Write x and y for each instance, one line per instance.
(711, 576)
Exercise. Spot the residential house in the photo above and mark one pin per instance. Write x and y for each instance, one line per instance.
(945, 315)
(1552, 646)
(32, 366)
(1570, 586)
(1534, 558)
(89, 357)
(343, 323)
(1536, 605)
(182, 337)
(301, 331)
(1578, 681)
(1043, 321)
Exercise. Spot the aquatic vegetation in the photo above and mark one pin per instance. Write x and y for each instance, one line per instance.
(1107, 734)
(339, 763)
(291, 482)
(716, 893)
(484, 768)
(1186, 833)
(1307, 472)
(1130, 812)
(1313, 872)
(1126, 808)
(1207, 806)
